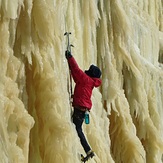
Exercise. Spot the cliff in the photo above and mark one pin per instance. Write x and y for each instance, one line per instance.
(122, 37)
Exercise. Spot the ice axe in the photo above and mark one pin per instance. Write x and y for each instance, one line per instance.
(68, 41)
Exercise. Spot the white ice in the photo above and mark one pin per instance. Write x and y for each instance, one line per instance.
(123, 37)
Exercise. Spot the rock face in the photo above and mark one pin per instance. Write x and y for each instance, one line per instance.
(123, 37)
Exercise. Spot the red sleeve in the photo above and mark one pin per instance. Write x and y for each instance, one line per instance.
(76, 72)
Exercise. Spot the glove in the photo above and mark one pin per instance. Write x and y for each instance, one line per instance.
(68, 54)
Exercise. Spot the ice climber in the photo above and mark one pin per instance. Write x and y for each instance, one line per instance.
(85, 82)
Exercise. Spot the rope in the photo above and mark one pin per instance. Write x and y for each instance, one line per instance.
(70, 76)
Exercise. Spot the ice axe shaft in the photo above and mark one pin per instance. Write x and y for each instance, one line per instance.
(68, 41)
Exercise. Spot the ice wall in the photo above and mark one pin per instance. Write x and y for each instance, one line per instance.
(123, 37)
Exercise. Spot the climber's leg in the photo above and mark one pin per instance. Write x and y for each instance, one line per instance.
(78, 118)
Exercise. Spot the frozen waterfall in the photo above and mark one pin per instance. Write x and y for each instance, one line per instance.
(123, 37)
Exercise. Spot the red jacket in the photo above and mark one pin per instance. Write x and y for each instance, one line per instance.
(84, 85)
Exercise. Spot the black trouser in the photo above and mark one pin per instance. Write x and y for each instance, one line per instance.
(78, 118)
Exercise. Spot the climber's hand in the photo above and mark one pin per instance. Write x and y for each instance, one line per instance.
(68, 54)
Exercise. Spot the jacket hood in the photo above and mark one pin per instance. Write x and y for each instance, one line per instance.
(97, 82)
